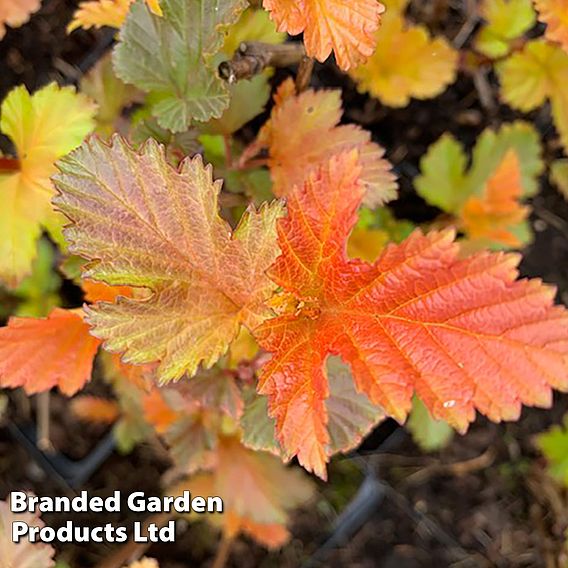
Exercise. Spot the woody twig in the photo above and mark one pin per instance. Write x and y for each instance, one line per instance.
(253, 57)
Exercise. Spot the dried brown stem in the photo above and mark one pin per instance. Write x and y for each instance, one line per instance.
(43, 422)
(457, 468)
(223, 552)
(304, 74)
(253, 57)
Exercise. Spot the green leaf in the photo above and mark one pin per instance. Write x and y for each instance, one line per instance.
(248, 100)
(254, 183)
(554, 445)
(429, 434)
(253, 25)
(170, 56)
(442, 181)
(491, 148)
(351, 415)
(506, 20)
(38, 292)
(258, 428)
(559, 176)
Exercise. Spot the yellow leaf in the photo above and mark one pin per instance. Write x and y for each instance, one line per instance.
(14, 13)
(243, 348)
(43, 127)
(343, 26)
(111, 13)
(407, 63)
(554, 13)
(367, 244)
(535, 74)
(253, 25)
(559, 176)
(506, 20)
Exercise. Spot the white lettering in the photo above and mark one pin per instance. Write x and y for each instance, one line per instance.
(18, 501)
(19, 529)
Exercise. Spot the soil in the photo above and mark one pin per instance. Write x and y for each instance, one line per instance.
(483, 501)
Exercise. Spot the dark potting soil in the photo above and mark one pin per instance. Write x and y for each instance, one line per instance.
(483, 501)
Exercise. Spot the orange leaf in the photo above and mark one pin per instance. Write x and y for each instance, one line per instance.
(95, 409)
(257, 491)
(345, 26)
(270, 535)
(40, 353)
(310, 121)
(493, 214)
(158, 412)
(101, 292)
(14, 13)
(462, 334)
(140, 376)
(554, 13)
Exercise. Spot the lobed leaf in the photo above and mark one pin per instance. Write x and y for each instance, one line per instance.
(158, 412)
(351, 415)
(310, 121)
(553, 14)
(506, 20)
(461, 333)
(192, 443)
(206, 279)
(111, 13)
(486, 198)
(406, 64)
(43, 127)
(442, 181)
(341, 26)
(23, 554)
(40, 353)
(14, 13)
(537, 73)
(494, 215)
(258, 492)
(169, 56)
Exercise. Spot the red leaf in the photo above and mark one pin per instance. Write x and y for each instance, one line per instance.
(462, 334)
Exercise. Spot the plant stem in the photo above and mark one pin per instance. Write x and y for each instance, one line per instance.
(43, 420)
(223, 552)
(253, 57)
(304, 75)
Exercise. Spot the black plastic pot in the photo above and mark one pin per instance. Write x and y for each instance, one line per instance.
(67, 472)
